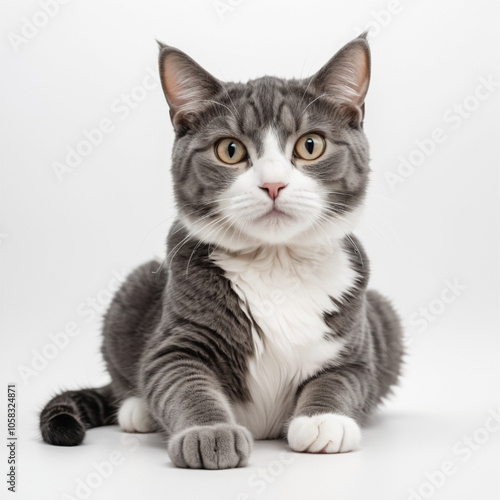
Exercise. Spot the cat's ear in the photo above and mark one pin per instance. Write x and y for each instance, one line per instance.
(346, 76)
(187, 86)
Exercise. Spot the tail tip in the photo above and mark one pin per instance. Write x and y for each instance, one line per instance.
(63, 430)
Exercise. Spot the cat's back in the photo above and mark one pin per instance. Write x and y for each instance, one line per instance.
(131, 320)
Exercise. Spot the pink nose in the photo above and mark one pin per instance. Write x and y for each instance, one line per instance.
(273, 189)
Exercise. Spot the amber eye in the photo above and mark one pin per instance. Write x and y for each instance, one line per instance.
(230, 151)
(310, 146)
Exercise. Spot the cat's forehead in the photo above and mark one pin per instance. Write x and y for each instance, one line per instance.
(267, 103)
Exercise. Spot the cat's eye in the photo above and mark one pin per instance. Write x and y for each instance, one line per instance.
(230, 150)
(310, 146)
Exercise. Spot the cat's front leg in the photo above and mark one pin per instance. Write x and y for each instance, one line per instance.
(327, 413)
(186, 399)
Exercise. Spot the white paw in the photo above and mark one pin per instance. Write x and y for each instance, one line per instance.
(133, 416)
(324, 433)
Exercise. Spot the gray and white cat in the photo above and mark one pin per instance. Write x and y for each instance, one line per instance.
(259, 324)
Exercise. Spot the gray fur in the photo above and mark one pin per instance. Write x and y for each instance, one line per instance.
(219, 446)
(176, 334)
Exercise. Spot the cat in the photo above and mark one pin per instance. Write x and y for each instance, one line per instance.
(259, 324)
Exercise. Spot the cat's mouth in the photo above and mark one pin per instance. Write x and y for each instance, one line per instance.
(275, 213)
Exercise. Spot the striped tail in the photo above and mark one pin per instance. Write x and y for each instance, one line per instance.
(66, 417)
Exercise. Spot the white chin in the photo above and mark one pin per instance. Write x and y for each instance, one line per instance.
(275, 229)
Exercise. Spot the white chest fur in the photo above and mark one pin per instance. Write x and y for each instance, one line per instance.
(286, 292)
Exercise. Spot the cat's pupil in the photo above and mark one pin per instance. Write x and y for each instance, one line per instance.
(309, 145)
(231, 149)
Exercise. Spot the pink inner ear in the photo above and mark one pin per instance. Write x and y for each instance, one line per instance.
(173, 76)
(349, 75)
(351, 81)
(187, 85)
(361, 64)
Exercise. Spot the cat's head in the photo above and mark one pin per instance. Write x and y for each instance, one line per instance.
(270, 161)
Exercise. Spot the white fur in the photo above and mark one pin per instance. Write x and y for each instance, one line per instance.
(244, 219)
(301, 201)
(324, 433)
(286, 266)
(133, 416)
(286, 292)
(274, 165)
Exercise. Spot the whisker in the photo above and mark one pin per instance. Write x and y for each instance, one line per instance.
(231, 220)
(176, 249)
(229, 97)
(314, 100)
(191, 256)
(190, 103)
(305, 91)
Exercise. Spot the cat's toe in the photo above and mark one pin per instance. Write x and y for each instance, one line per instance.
(221, 446)
(324, 433)
(133, 416)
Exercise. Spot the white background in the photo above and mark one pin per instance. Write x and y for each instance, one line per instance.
(62, 241)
